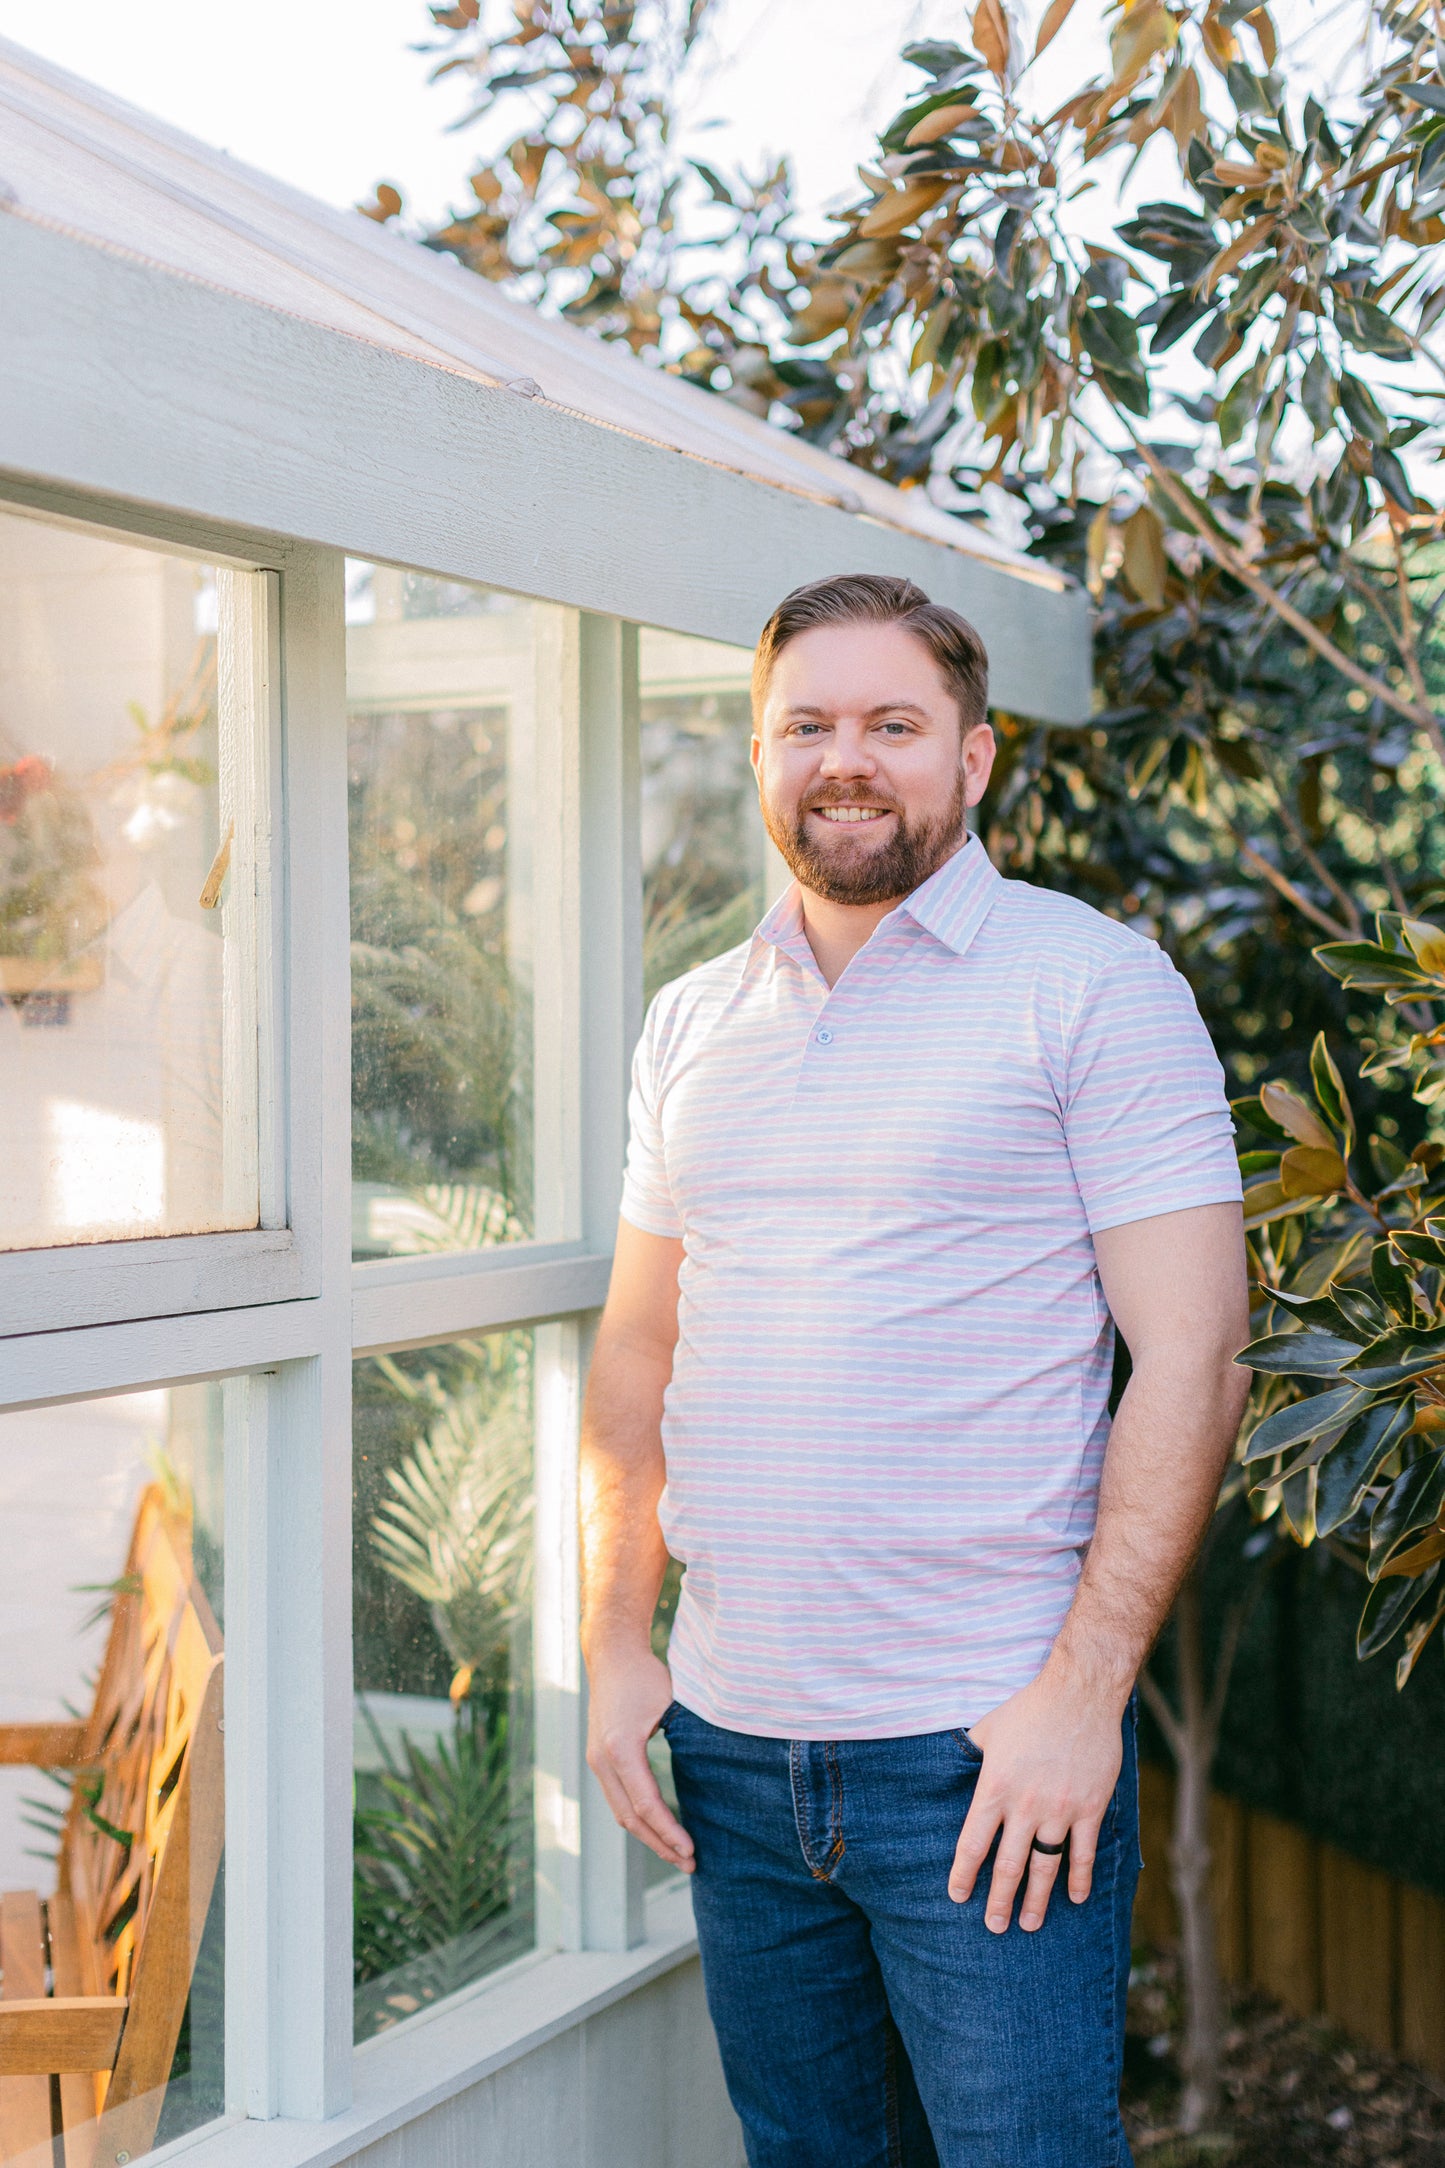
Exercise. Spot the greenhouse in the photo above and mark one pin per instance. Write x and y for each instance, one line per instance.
(373, 738)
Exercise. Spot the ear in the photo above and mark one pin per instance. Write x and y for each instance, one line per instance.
(980, 748)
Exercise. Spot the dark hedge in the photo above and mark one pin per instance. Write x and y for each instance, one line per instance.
(1310, 1733)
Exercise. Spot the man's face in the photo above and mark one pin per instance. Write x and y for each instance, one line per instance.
(863, 772)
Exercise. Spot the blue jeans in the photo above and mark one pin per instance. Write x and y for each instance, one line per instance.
(867, 2021)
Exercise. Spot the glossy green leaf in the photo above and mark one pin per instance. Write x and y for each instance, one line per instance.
(1387, 1607)
(1392, 478)
(1368, 967)
(1363, 411)
(1308, 1354)
(1317, 393)
(1302, 1419)
(1407, 1352)
(1392, 1283)
(1330, 1091)
(1352, 1462)
(1413, 1501)
(1368, 327)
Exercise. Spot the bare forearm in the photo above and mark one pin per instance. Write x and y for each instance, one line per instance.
(622, 1475)
(1166, 1456)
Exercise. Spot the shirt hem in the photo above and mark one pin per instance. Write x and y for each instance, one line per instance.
(1127, 1215)
(755, 1724)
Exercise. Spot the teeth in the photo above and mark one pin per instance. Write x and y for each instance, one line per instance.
(851, 812)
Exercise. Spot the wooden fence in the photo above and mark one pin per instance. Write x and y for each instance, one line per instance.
(1308, 1924)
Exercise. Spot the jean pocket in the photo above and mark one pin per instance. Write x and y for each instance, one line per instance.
(673, 1709)
(973, 1755)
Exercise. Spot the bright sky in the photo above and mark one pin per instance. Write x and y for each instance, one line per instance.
(329, 95)
(332, 96)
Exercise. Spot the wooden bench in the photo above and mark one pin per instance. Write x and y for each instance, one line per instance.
(94, 1978)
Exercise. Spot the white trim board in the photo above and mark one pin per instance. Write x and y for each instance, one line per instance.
(400, 2075)
(415, 1310)
(125, 379)
(41, 1369)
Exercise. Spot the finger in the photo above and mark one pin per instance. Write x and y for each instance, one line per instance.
(981, 1826)
(635, 1774)
(1009, 1868)
(1083, 1844)
(627, 1817)
(1043, 1872)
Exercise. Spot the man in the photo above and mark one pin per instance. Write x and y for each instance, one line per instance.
(895, 1165)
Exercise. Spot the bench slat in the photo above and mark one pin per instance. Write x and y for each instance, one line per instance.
(41, 1746)
(59, 2033)
(25, 2127)
(72, 1968)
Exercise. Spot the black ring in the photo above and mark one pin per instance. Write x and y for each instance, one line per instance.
(1053, 1850)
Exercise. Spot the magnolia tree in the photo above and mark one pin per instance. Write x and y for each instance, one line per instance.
(1212, 412)
(579, 194)
(1217, 406)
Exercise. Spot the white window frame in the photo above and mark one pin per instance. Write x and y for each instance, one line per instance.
(85, 1284)
(287, 1366)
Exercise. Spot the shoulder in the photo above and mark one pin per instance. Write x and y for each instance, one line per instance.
(689, 1005)
(1082, 975)
(1051, 926)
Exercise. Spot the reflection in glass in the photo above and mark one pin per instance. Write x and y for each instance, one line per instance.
(702, 834)
(127, 1029)
(112, 1795)
(448, 686)
(441, 1618)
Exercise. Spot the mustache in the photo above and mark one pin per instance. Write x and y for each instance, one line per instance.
(837, 794)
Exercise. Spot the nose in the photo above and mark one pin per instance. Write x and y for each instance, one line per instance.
(849, 756)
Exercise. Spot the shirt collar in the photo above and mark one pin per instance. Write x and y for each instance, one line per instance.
(951, 904)
(954, 902)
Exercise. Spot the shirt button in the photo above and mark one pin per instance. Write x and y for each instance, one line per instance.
(825, 1038)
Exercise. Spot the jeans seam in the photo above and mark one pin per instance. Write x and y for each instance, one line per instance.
(800, 1809)
(892, 2127)
(1119, 2152)
(837, 1843)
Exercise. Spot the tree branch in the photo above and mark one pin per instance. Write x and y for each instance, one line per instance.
(1232, 562)
(1161, 1711)
(1408, 637)
(1313, 860)
(1292, 895)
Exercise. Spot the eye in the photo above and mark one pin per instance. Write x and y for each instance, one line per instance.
(804, 730)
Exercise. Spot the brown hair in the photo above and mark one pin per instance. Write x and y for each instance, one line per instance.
(876, 598)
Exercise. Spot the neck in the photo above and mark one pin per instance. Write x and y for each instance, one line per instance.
(836, 931)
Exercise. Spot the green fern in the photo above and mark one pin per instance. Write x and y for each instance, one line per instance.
(443, 1872)
(456, 1529)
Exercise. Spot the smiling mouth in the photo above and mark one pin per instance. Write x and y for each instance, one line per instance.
(850, 814)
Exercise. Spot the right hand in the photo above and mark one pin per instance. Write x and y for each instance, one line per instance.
(629, 1694)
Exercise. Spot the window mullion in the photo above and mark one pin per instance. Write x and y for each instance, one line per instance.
(299, 1580)
(611, 1862)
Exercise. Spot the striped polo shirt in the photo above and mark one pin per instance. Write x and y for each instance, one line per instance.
(889, 1402)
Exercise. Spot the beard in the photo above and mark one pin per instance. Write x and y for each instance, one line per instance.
(843, 874)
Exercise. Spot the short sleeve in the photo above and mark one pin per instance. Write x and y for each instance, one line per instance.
(1145, 1114)
(646, 1196)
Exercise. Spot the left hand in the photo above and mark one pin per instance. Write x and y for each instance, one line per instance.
(1051, 1759)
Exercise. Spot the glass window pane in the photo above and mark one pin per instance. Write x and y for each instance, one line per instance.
(455, 694)
(128, 699)
(704, 873)
(703, 842)
(112, 1800)
(441, 1617)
